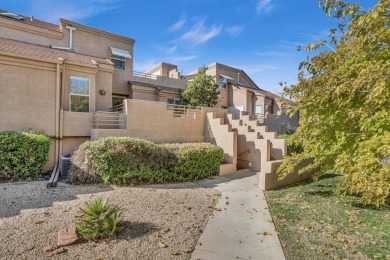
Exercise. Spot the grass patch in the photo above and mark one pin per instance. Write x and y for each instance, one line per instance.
(314, 223)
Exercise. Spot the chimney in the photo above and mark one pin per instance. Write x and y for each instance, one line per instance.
(32, 18)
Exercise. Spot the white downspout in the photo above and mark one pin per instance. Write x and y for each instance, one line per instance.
(71, 29)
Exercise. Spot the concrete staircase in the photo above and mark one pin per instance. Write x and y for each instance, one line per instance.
(257, 148)
(255, 141)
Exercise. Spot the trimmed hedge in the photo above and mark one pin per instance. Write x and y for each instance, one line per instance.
(22, 155)
(196, 160)
(122, 160)
(131, 161)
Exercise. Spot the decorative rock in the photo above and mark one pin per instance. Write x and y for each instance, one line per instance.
(162, 245)
(67, 236)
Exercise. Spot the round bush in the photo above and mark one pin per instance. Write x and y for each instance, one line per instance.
(22, 155)
(122, 160)
(196, 160)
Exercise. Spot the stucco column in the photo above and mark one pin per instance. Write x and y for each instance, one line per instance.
(130, 89)
(158, 94)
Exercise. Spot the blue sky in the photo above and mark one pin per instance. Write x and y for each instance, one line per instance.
(258, 36)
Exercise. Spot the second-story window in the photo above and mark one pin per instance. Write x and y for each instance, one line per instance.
(118, 57)
(119, 62)
(174, 101)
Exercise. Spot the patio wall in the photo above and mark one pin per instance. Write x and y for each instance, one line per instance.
(152, 121)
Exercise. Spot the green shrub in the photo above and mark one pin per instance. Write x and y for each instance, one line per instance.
(22, 155)
(196, 160)
(122, 160)
(292, 146)
(99, 219)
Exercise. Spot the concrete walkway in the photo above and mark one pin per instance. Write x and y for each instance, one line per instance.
(241, 226)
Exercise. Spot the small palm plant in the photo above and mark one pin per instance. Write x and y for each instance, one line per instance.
(99, 219)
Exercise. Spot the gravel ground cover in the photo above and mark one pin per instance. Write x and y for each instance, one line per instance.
(160, 221)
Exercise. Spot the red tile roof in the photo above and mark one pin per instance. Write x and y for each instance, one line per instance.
(34, 22)
(30, 50)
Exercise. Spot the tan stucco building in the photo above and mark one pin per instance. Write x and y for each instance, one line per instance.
(70, 79)
(238, 92)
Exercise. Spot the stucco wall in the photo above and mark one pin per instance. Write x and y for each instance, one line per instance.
(69, 145)
(86, 40)
(152, 121)
(238, 97)
(27, 100)
(216, 132)
(27, 95)
(160, 81)
(11, 29)
(77, 124)
(103, 82)
(94, 42)
(144, 93)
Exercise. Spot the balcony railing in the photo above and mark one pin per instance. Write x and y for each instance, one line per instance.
(183, 111)
(109, 120)
(144, 75)
(258, 116)
(117, 108)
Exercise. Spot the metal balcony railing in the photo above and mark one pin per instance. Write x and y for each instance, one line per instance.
(144, 75)
(117, 108)
(258, 116)
(182, 110)
(109, 120)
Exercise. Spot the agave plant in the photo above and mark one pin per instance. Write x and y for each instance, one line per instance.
(99, 220)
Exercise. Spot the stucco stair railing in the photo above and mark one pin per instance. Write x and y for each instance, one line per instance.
(221, 134)
(109, 120)
(268, 149)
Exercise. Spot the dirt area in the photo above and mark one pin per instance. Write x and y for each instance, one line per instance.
(173, 215)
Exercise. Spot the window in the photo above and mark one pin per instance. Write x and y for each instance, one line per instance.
(174, 101)
(258, 109)
(118, 57)
(223, 80)
(79, 94)
(119, 62)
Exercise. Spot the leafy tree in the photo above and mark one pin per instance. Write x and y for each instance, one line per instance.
(343, 94)
(202, 90)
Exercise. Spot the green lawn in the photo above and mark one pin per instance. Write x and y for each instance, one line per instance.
(314, 223)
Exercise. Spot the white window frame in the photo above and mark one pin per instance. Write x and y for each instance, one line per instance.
(81, 95)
